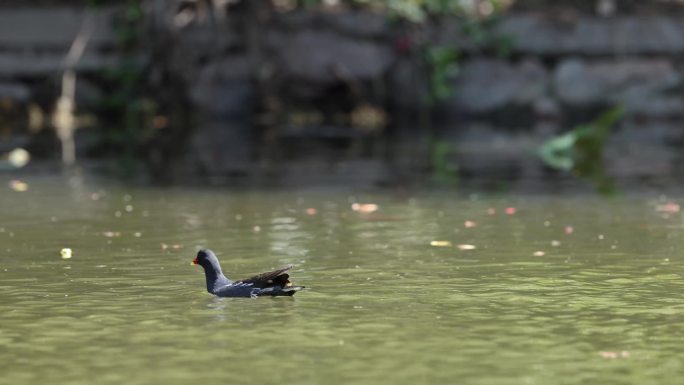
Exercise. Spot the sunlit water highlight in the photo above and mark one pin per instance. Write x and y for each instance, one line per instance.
(603, 304)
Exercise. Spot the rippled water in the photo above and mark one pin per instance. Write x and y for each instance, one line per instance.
(603, 304)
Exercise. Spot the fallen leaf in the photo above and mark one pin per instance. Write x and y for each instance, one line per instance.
(18, 157)
(18, 185)
(440, 243)
(365, 208)
(614, 355)
(65, 253)
(669, 207)
(466, 247)
(608, 355)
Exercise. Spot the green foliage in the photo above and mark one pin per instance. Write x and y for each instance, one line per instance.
(442, 170)
(442, 65)
(416, 11)
(128, 108)
(481, 33)
(581, 150)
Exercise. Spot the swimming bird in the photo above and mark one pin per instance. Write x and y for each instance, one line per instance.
(273, 283)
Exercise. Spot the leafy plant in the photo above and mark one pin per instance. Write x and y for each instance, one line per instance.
(128, 107)
(418, 11)
(580, 150)
(442, 66)
(483, 35)
(443, 171)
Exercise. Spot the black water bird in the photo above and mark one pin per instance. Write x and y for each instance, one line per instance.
(273, 283)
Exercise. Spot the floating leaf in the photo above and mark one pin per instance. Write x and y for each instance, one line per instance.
(65, 253)
(18, 185)
(669, 207)
(18, 157)
(581, 150)
(440, 243)
(465, 247)
(365, 208)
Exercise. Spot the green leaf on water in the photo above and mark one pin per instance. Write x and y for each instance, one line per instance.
(581, 150)
(558, 152)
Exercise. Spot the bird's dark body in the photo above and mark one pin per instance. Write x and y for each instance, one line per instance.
(274, 283)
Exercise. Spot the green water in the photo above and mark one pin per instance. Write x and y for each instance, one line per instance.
(603, 305)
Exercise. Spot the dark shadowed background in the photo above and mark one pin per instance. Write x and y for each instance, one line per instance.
(496, 93)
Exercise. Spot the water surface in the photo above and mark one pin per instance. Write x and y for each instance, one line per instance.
(564, 290)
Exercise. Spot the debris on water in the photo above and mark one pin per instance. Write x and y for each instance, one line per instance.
(365, 208)
(18, 157)
(469, 224)
(256, 228)
(18, 186)
(311, 211)
(539, 253)
(614, 355)
(511, 210)
(569, 230)
(669, 208)
(555, 243)
(111, 234)
(600, 237)
(440, 243)
(65, 253)
(465, 247)
(164, 246)
(137, 234)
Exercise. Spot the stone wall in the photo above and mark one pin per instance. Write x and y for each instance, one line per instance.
(260, 81)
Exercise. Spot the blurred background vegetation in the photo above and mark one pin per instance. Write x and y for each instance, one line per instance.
(388, 92)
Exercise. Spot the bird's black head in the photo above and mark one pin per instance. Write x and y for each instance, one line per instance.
(204, 258)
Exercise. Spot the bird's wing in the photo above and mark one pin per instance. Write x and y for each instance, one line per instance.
(271, 278)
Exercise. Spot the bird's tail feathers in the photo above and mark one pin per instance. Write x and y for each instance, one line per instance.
(291, 290)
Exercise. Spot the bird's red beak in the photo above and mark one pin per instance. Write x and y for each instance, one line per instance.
(195, 261)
